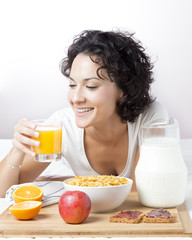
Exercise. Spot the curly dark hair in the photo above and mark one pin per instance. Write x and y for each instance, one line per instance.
(124, 60)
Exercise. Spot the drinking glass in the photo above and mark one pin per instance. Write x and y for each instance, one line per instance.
(50, 138)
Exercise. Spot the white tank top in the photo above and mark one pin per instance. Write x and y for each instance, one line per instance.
(73, 139)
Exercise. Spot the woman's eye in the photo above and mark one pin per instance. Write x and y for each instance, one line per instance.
(92, 87)
(72, 85)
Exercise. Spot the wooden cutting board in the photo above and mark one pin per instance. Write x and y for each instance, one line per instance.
(48, 223)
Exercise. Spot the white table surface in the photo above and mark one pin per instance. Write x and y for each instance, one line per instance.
(186, 147)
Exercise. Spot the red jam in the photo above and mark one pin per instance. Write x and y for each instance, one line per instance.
(128, 214)
(159, 213)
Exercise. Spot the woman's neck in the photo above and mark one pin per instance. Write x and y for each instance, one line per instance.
(107, 132)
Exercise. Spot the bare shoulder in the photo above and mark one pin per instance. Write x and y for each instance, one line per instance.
(155, 111)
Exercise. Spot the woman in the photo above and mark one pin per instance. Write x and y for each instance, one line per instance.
(109, 82)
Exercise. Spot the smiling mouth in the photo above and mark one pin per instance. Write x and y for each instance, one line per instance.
(82, 110)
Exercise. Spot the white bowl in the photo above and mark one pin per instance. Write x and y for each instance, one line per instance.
(104, 199)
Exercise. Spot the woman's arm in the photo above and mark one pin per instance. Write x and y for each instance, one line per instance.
(19, 165)
(17, 168)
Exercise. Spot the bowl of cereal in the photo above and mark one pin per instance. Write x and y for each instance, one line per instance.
(106, 192)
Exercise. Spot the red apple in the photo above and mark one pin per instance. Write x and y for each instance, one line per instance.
(74, 206)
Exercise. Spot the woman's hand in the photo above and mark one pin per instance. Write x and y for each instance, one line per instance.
(22, 141)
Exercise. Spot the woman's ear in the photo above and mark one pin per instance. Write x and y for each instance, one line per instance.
(121, 94)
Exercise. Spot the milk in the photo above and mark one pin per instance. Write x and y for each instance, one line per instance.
(161, 174)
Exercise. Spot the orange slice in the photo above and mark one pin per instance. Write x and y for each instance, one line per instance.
(25, 210)
(28, 193)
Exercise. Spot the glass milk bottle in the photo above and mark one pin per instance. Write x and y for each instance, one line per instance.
(161, 174)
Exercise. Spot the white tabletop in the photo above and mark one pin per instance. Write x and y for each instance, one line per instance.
(186, 147)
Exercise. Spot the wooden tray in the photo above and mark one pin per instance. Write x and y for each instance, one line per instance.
(48, 223)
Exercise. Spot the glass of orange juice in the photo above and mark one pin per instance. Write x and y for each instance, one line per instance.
(50, 138)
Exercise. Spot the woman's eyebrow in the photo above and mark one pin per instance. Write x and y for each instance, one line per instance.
(87, 79)
(92, 78)
(71, 78)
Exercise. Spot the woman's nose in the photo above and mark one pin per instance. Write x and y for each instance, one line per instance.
(78, 96)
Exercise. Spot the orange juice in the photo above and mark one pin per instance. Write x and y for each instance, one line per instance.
(50, 139)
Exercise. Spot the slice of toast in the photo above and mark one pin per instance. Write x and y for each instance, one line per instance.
(159, 216)
(127, 216)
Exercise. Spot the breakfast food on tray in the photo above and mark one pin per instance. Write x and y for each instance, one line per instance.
(133, 216)
(25, 210)
(97, 181)
(28, 193)
(159, 216)
(127, 216)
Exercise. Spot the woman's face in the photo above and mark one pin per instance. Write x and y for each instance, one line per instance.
(93, 99)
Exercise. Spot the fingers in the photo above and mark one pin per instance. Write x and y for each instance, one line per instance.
(24, 131)
(22, 147)
(27, 128)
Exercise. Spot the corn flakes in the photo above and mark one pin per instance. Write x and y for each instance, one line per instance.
(97, 181)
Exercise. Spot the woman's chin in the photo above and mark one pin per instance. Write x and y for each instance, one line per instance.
(81, 124)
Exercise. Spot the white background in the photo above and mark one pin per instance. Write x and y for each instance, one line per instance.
(35, 34)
